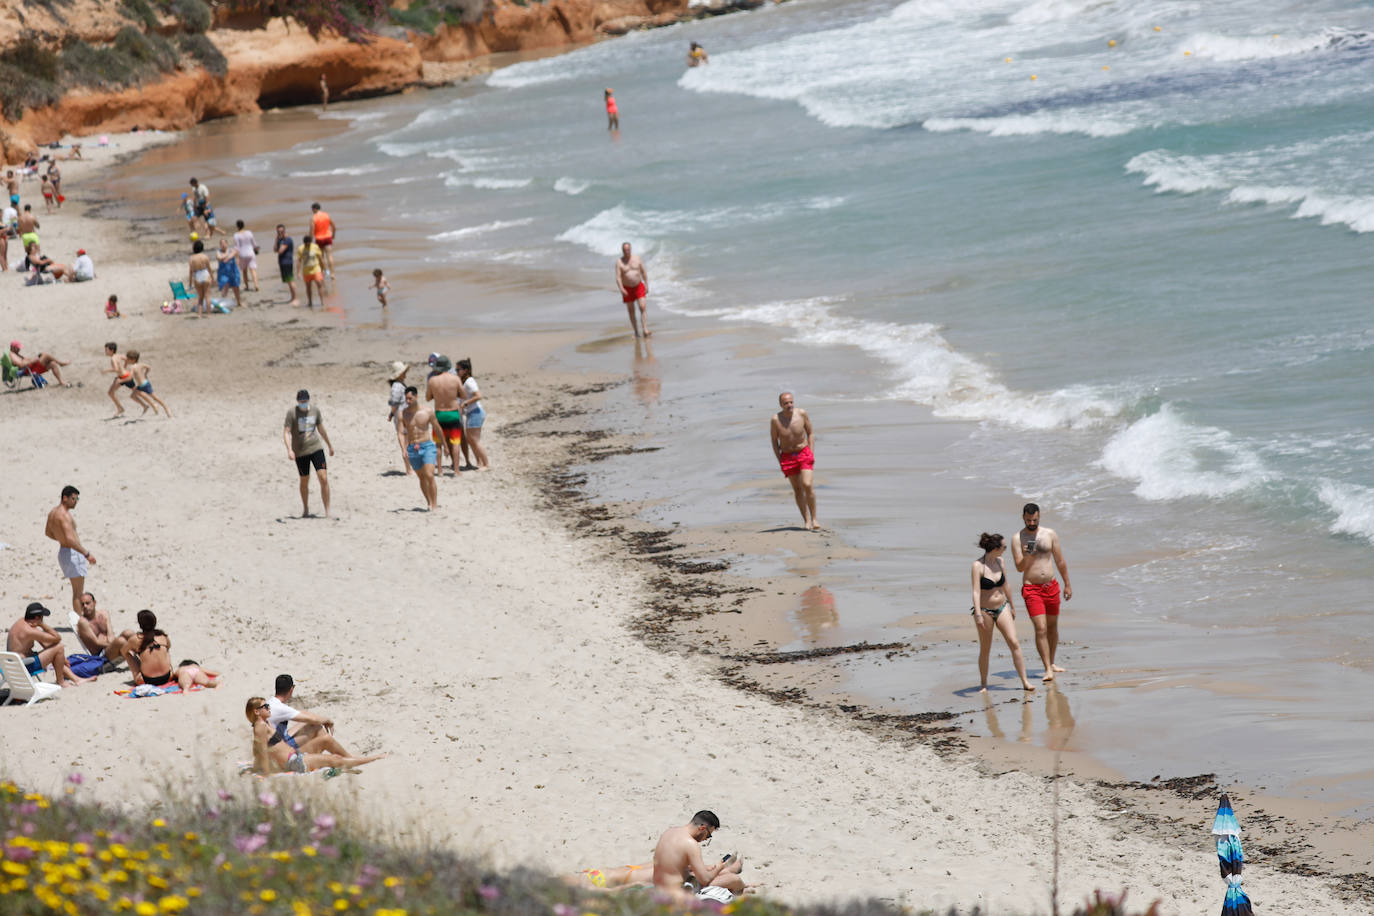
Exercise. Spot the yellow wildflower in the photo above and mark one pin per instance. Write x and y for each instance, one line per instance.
(268, 895)
(309, 850)
(159, 822)
(173, 903)
(354, 890)
(146, 909)
(14, 868)
(340, 904)
(391, 881)
(300, 908)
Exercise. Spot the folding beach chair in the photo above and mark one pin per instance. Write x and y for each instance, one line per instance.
(179, 290)
(11, 374)
(21, 684)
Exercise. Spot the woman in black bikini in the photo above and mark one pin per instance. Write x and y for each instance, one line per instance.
(992, 607)
(150, 659)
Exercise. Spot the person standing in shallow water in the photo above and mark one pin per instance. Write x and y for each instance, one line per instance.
(612, 111)
(789, 432)
(632, 279)
(1037, 553)
(992, 608)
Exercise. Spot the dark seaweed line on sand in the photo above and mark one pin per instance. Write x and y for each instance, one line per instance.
(686, 589)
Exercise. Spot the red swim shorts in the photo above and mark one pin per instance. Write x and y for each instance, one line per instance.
(793, 463)
(639, 292)
(1041, 598)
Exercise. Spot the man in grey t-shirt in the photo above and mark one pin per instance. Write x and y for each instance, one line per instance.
(302, 434)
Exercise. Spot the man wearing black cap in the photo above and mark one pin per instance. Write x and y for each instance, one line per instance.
(40, 646)
(302, 434)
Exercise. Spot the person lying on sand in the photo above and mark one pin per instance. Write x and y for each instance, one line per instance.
(280, 758)
(680, 870)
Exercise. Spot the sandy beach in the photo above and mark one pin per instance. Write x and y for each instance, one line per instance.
(490, 647)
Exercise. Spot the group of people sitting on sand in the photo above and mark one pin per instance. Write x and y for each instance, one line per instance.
(147, 651)
(290, 740)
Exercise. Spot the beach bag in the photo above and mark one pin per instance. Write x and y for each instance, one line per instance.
(86, 665)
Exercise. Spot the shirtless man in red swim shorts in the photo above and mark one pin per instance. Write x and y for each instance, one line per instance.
(632, 280)
(1036, 552)
(789, 431)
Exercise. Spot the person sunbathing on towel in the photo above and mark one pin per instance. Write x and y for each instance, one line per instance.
(280, 758)
(149, 655)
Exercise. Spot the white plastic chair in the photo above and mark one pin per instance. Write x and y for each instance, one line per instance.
(21, 684)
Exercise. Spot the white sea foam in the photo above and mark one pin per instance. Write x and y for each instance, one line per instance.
(355, 117)
(1353, 506)
(1039, 123)
(1170, 458)
(342, 170)
(605, 231)
(1211, 46)
(483, 229)
(571, 186)
(308, 150)
(925, 368)
(1258, 176)
(404, 150)
(488, 184)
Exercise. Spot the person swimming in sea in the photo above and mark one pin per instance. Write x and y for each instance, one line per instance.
(696, 56)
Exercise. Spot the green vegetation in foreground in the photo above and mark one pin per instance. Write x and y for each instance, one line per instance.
(252, 850)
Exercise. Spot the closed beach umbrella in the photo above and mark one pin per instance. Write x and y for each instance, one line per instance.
(1231, 857)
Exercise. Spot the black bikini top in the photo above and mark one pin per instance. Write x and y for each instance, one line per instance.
(987, 583)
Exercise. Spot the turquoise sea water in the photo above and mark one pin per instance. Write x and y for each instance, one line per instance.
(1134, 288)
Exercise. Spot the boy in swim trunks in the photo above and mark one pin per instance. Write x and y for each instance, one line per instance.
(789, 432)
(143, 387)
(414, 433)
(122, 376)
(1037, 553)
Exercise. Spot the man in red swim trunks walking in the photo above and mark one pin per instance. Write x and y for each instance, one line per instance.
(1036, 552)
(790, 433)
(633, 282)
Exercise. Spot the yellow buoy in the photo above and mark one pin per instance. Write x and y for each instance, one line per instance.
(1276, 34)
(1033, 76)
(1156, 28)
(1007, 59)
(1187, 53)
(1105, 67)
(1111, 43)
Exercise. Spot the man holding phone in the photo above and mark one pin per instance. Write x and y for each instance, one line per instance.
(1037, 553)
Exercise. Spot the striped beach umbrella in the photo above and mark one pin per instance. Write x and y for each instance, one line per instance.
(1226, 829)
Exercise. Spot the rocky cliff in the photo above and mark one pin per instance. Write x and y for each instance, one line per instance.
(274, 62)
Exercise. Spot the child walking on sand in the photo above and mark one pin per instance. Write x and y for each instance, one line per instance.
(380, 285)
(141, 384)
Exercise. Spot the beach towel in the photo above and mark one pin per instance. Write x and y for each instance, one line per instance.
(246, 769)
(148, 690)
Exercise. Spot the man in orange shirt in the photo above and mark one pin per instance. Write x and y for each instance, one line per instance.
(323, 230)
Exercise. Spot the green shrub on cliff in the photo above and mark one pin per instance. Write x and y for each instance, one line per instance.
(193, 15)
(203, 51)
(28, 78)
(152, 53)
(426, 15)
(140, 11)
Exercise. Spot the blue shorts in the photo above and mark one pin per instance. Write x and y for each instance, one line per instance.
(34, 664)
(421, 454)
(474, 418)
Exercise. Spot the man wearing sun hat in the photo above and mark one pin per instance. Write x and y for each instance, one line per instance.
(40, 646)
(396, 400)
